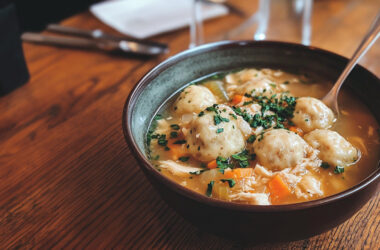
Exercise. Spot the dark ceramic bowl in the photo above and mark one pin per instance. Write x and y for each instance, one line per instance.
(240, 221)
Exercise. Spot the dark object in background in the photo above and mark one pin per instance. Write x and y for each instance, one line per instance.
(36, 14)
(13, 70)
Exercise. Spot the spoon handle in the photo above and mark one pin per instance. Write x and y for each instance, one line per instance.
(370, 38)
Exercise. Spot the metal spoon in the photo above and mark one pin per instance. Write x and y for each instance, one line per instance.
(331, 99)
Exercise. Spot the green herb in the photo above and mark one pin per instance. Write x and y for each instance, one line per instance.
(241, 158)
(218, 76)
(325, 165)
(306, 120)
(286, 82)
(222, 164)
(198, 172)
(338, 170)
(218, 119)
(231, 182)
(253, 157)
(273, 85)
(247, 103)
(180, 142)
(174, 126)
(209, 188)
(219, 130)
(213, 108)
(184, 158)
(167, 148)
(152, 128)
(173, 134)
(162, 140)
(156, 157)
(251, 138)
(234, 116)
(203, 165)
(201, 113)
(158, 117)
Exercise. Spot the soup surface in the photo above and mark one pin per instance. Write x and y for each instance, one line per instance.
(262, 136)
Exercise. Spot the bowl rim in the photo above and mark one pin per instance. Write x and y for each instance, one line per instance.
(148, 167)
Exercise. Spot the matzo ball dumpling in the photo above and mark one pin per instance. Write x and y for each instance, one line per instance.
(210, 137)
(333, 148)
(311, 113)
(279, 149)
(262, 86)
(194, 99)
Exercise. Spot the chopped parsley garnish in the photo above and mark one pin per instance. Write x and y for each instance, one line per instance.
(247, 103)
(338, 170)
(253, 157)
(162, 140)
(231, 182)
(251, 138)
(201, 113)
(173, 134)
(219, 130)
(306, 120)
(180, 142)
(241, 158)
(209, 188)
(152, 128)
(184, 158)
(156, 157)
(167, 148)
(158, 117)
(234, 116)
(286, 82)
(218, 119)
(325, 165)
(273, 85)
(222, 164)
(174, 126)
(198, 172)
(213, 108)
(218, 76)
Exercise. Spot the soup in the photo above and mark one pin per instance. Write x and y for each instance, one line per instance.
(263, 137)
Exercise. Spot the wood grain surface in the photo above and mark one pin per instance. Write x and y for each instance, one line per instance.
(67, 178)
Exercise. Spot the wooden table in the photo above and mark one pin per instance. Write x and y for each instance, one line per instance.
(67, 178)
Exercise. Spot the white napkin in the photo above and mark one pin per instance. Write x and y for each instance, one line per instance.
(145, 18)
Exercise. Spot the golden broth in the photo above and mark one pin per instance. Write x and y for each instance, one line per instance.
(356, 124)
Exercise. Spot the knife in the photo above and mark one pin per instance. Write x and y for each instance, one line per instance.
(86, 43)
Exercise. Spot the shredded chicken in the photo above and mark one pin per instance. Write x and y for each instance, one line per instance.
(253, 198)
(178, 169)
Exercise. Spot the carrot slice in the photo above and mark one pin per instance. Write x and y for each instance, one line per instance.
(278, 189)
(296, 130)
(237, 99)
(238, 173)
(212, 164)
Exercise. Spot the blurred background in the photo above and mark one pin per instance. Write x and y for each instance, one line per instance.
(323, 23)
